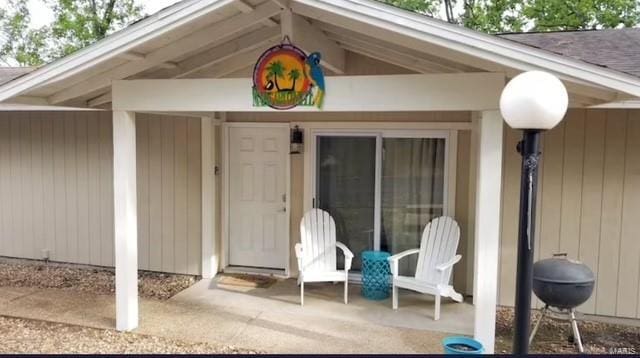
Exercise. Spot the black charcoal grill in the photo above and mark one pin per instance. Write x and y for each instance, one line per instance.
(562, 284)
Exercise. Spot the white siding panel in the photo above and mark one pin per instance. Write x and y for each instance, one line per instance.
(5, 184)
(56, 189)
(37, 203)
(155, 194)
(94, 219)
(194, 200)
(82, 187)
(142, 162)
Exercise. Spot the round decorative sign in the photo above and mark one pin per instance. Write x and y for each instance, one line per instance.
(283, 78)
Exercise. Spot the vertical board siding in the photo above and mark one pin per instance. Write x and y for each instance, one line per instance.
(591, 210)
(629, 253)
(612, 197)
(460, 277)
(169, 193)
(56, 189)
(588, 205)
(572, 179)
(194, 198)
(510, 189)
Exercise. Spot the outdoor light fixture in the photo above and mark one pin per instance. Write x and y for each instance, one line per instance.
(532, 101)
(297, 140)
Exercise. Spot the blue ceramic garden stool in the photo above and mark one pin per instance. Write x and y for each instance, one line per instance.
(375, 275)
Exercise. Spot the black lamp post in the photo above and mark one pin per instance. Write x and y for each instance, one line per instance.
(532, 101)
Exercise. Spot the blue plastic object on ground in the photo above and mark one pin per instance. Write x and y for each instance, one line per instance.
(375, 275)
(462, 345)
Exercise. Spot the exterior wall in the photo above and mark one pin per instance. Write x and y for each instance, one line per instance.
(463, 271)
(588, 205)
(169, 193)
(56, 186)
(56, 189)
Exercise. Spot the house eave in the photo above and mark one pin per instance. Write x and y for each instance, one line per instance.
(112, 46)
(500, 51)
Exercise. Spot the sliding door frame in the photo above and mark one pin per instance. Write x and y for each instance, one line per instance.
(451, 143)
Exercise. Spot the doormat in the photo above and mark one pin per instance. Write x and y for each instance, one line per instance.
(247, 281)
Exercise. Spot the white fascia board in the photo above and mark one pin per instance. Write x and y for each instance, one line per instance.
(488, 47)
(385, 93)
(113, 46)
(630, 104)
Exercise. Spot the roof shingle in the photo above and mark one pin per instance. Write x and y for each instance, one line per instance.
(10, 73)
(617, 49)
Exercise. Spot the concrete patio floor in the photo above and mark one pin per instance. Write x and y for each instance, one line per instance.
(267, 319)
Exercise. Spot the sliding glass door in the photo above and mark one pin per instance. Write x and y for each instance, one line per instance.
(345, 168)
(381, 188)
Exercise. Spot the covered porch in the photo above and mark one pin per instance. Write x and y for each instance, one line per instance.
(271, 318)
(483, 154)
(387, 71)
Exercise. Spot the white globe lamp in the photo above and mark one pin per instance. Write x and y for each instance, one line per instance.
(534, 100)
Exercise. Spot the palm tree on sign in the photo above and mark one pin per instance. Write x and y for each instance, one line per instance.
(294, 75)
(276, 70)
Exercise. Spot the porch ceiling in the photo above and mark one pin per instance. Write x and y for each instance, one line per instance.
(222, 38)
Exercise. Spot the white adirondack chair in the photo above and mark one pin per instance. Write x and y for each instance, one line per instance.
(316, 253)
(436, 257)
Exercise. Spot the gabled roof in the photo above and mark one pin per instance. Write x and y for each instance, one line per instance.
(224, 36)
(617, 49)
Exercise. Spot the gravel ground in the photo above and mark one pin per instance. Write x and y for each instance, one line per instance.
(98, 280)
(30, 336)
(552, 336)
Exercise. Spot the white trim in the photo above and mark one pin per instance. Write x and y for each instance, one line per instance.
(114, 45)
(309, 143)
(209, 250)
(630, 104)
(125, 219)
(471, 218)
(225, 191)
(487, 230)
(362, 15)
(403, 126)
(377, 193)
(451, 166)
(371, 93)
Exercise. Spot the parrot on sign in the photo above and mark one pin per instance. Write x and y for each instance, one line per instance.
(314, 73)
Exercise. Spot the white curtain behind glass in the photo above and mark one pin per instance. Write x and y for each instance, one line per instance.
(413, 177)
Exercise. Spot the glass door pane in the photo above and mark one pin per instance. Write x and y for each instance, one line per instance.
(413, 186)
(345, 187)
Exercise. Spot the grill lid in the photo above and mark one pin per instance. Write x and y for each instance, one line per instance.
(562, 270)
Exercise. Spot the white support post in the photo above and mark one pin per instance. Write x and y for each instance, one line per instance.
(487, 230)
(125, 219)
(209, 256)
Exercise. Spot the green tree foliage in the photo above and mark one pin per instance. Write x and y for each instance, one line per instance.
(77, 23)
(582, 14)
(529, 15)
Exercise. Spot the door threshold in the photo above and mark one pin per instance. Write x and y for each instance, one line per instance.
(280, 273)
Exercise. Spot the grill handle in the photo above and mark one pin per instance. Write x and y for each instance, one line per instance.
(561, 254)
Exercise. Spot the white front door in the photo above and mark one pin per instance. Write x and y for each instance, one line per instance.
(258, 219)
